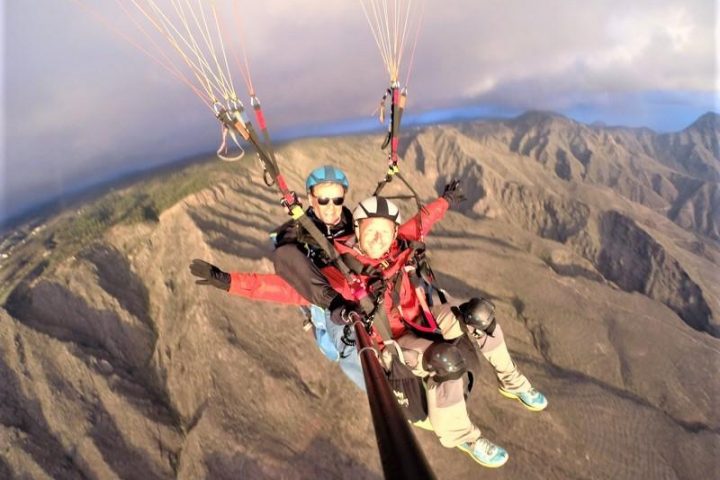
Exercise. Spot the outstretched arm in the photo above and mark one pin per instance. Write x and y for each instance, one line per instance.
(257, 286)
(264, 286)
(420, 225)
(425, 218)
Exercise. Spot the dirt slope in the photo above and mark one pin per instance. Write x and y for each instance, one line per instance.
(602, 262)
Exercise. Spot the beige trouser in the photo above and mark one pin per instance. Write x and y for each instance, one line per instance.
(495, 351)
(447, 411)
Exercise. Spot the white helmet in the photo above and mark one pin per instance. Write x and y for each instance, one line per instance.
(376, 207)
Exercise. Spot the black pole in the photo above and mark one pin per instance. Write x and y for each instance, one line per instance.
(400, 454)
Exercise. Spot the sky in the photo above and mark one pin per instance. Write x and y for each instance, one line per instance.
(82, 105)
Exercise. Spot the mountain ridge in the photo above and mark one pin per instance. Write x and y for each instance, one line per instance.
(117, 364)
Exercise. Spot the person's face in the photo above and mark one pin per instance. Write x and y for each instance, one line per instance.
(376, 236)
(327, 193)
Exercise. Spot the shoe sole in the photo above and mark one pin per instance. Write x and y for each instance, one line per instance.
(486, 465)
(510, 395)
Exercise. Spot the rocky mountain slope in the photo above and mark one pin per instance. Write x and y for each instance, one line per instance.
(599, 246)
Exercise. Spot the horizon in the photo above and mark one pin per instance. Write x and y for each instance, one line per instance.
(353, 127)
(82, 104)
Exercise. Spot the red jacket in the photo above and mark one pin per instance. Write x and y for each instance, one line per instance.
(273, 288)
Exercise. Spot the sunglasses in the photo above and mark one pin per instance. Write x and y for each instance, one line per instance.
(336, 201)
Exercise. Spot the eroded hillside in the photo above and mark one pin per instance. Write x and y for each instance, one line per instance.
(116, 365)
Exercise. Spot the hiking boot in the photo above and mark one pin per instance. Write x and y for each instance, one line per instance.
(531, 399)
(486, 453)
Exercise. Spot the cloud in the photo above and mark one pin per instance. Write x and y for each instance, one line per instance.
(81, 100)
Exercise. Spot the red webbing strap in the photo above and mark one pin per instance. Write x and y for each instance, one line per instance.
(262, 124)
(395, 115)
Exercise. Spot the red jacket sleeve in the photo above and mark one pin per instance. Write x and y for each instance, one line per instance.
(264, 286)
(431, 213)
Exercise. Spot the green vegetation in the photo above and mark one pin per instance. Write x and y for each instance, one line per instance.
(142, 202)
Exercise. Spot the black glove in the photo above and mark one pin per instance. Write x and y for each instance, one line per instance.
(344, 312)
(478, 313)
(453, 193)
(210, 274)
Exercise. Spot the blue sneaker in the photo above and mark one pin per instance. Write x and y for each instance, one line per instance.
(531, 399)
(486, 453)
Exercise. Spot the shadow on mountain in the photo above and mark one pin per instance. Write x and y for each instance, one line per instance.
(117, 278)
(25, 417)
(222, 237)
(5, 471)
(550, 217)
(440, 233)
(108, 341)
(274, 366)
(634, 261)
(59, 312)
(264, 196)
(257, 221)
(576, 377)
(126, 461)
(320, 460)
(697, 206)
(576, 271)
(459, 288)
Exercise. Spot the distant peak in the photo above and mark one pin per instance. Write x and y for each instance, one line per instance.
(540, 117)
(709, 121)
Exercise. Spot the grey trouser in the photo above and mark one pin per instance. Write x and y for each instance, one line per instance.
(447, 411)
